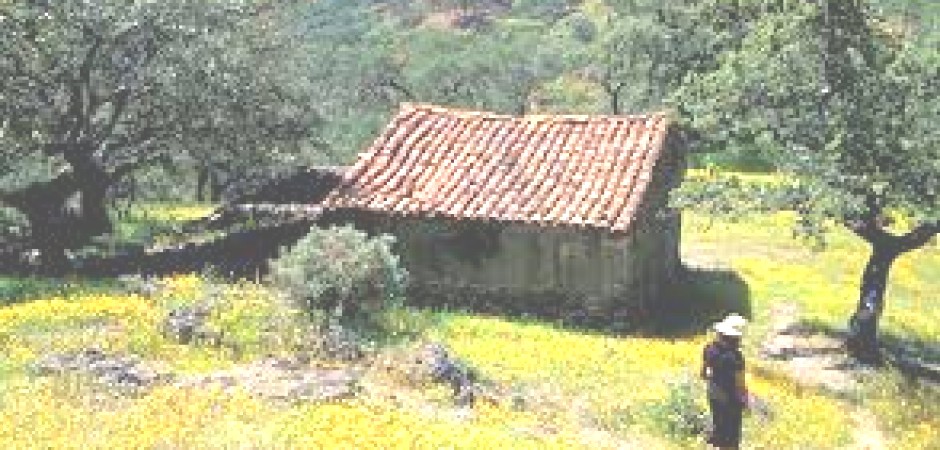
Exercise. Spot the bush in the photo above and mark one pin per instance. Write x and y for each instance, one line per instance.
(342, 272)
(680, 415)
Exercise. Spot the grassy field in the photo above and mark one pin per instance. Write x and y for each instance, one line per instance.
(596, 390)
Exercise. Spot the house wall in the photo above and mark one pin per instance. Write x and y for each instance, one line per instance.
(524, 269)
(660, 225)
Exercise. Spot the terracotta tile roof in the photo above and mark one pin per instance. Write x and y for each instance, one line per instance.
(561, 170)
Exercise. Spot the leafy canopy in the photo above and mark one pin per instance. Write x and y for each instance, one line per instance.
(118, 85)
(836, 98)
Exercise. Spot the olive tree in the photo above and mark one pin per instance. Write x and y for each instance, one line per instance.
(846, 106)
(95, 90)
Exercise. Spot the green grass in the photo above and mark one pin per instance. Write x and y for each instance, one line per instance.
(16, 289)
(824, 285)
(588, 380)
(150, 223)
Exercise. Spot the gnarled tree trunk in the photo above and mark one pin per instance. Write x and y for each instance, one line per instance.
(56, 222)
(863, 326)
(886, 248)
(202, 181)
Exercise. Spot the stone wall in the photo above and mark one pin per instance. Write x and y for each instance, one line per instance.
(519, 267)
(658, 225)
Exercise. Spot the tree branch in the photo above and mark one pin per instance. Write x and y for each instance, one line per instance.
(866, 230)
(121, 96)
(918, 237)
(39, 85)
(401, 89)
(866, 226)
(84, 81)
(78, 111)
(119, 100)
(41, 194)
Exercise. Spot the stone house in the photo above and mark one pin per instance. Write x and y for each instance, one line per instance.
(541, 214)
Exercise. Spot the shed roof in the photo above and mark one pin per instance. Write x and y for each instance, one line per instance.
(430, 161)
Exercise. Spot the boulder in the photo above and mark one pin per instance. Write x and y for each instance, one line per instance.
(115, 370)
(339, 343)
(433, 363)
(283, 379)
(188, 324)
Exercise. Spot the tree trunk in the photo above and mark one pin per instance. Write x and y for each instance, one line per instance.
(55, 223)
(863, 326)
(215, 186)
(93, 216)
(47, 224)
(55, 227)
(132, 189)
(202, 180)
(886, 247)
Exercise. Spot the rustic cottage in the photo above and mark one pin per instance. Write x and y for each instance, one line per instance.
(551, 214)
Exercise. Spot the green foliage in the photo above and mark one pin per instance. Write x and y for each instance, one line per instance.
(15, 289)
(827, 95)
(733, 197)
(372, 58)
(113, 68)
(680, 414)
(343, 272)
(547, 10)
(640, 52)
(844, 104)
(97, 90)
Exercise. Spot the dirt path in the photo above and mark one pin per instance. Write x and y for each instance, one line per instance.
(810, 358)
(818, 360)
(866, 435)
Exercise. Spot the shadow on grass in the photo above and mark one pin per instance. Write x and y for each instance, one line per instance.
(917, 359)
(20, 289)
(237, 255)
(700, 298)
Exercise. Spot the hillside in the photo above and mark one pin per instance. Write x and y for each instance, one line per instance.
(507, 56)
(553, 387)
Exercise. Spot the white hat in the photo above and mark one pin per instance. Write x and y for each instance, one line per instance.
(732, 325)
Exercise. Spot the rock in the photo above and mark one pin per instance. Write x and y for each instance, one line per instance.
(284, 379)
(51, 365)
(338, 343)
(323, 386)
(137, 284)
(126, 371)
(284, 364)
(187, 324)
(432, 363)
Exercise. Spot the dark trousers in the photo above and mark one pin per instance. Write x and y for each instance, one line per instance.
(726, 423)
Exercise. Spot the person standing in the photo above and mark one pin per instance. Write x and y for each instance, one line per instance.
(723, 369)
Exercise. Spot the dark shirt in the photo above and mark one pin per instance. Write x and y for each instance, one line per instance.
(725, 362)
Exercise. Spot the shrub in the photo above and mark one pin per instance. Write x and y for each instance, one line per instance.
(343, 272)
(679, 414)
